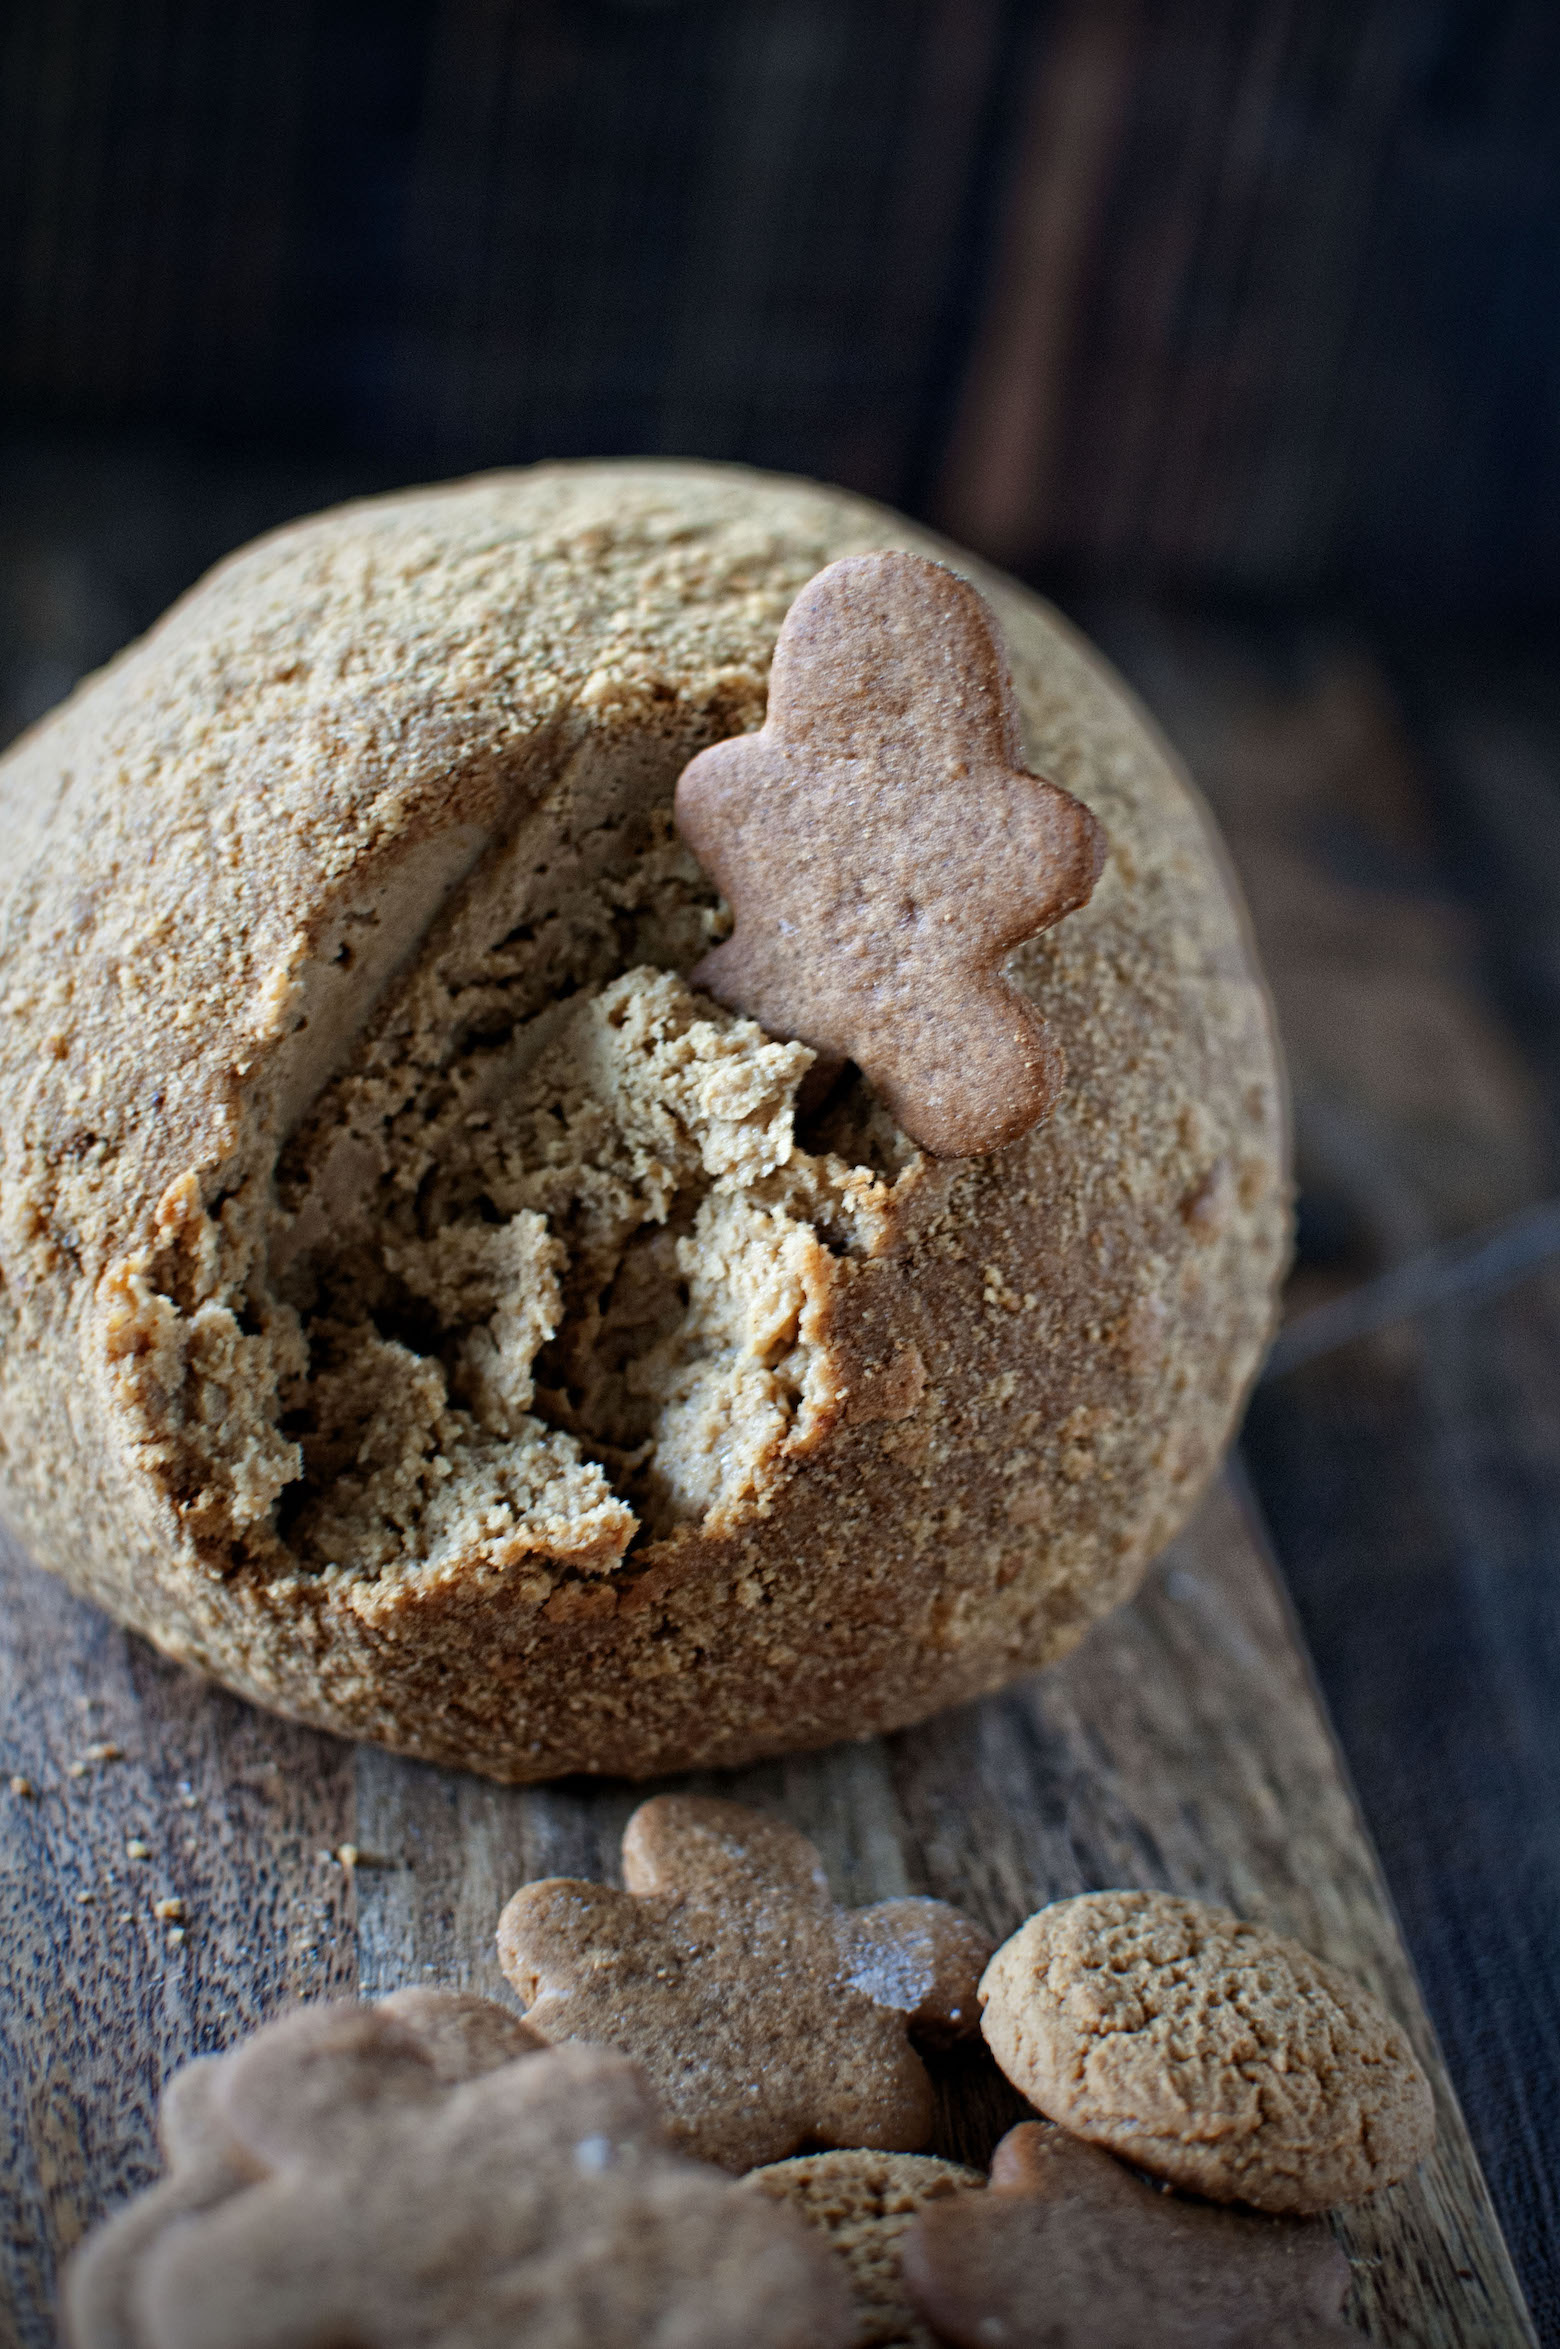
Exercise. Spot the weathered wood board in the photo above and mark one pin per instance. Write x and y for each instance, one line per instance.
(1183, 1746)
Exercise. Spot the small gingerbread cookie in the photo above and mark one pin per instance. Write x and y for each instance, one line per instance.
(883, 848)
(1207, 2050)
(1068, 2250)
(390, 2185)
(763, 2014)
(864, 2203)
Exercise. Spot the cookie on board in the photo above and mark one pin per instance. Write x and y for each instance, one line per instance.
(763, 2015)
(385, 2199)
(1207, 2050)
(864, 2204)
(1068, 2250)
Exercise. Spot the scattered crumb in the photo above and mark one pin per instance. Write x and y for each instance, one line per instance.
(135, 1849)
(104, 1751)
(168, 1912)
(75, 1769)
(175, 1936)
(347, 1855)
(84, 1898)
(22, 1788)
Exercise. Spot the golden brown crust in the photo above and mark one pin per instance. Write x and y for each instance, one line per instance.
(1017, 1372)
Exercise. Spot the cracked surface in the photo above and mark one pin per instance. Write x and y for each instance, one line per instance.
(422, 1310)
(864, 2203)
(762, 2014)
(1208, 2050)
(419, 2172)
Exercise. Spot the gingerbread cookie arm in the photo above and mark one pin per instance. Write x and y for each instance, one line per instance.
(95, 2295)
(569, 1948)
(925, 1958)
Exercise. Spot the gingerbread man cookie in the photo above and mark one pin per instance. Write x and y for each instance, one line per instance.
(1068, 2250)
(390, 2207)
(883, 848)
(764, 2015)
(1207, 2050)
(462, 2036)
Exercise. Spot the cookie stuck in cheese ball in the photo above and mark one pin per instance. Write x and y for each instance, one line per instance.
(425, 1309)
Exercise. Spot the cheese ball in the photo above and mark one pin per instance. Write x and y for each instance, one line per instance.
(425, 1312)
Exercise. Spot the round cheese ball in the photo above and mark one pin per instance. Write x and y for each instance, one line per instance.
(425, 1312)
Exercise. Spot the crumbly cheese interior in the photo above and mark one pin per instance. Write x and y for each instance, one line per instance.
(541, 1271)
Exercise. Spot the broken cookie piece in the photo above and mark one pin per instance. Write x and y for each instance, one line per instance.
(763, 2015)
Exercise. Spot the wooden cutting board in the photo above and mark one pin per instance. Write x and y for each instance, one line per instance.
(1183, 1746)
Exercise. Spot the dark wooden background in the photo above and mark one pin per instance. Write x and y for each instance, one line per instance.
(1233, 323)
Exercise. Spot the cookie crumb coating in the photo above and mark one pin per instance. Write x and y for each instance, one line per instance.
(1208, 2050)
(424, 1310)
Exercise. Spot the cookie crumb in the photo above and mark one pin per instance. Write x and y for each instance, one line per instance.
(104, 1750)
(347, 1856)
(135, 1849)
(169, 1912)
(22, 1788)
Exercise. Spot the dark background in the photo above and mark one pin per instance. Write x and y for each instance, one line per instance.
(1234, 327)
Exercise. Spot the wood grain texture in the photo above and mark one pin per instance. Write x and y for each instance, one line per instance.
(1182, 1747)
(99, 1998)
(1396, 825)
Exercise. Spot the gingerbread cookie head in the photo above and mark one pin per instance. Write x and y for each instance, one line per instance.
(1207, 2050)
(764, 2016)
(883, 847)
(393, 2207)
(1069, 2250)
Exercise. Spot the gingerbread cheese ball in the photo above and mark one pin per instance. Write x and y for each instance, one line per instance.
(456, 1283)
